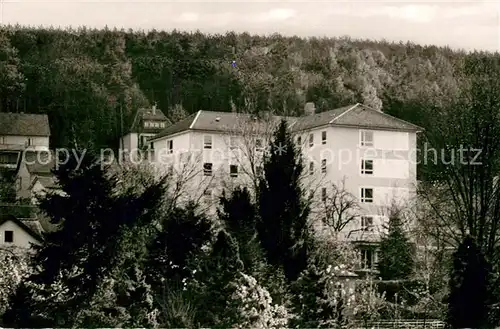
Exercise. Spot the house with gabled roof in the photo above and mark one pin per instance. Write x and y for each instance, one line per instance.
(21, 131)
(19, 233)
(34, 175)
(147, 123)
(371, 153)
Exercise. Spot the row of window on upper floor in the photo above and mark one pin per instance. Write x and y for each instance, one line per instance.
(366, 140)
(366, 194)
(366, 168)
(153, 124)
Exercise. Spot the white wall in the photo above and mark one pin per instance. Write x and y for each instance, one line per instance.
(129, 142)
(37, 142)
(391, 140)
(21, 237)
(390, 168)
(394, 176)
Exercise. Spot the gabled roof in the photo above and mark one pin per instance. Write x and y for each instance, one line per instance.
(221, 122)
(23, 124)
(47, 182)
(319, 119)
(363, 116)
(32, 227)
(152, 114)
(357, 115)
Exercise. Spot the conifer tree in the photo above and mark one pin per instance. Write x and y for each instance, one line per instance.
(182, 235)
(282, 225)
(92, 218)
(239, 217)
(469, 282)
(396, 256)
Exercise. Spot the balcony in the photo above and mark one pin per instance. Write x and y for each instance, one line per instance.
(364, 236)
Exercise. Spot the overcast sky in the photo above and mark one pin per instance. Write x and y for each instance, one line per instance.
(467, 25)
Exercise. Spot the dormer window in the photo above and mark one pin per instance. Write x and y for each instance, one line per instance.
(162, 124)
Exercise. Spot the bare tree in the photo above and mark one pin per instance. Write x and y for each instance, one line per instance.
(463, 136)
(338, 208)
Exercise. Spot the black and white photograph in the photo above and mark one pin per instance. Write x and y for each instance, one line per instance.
(249, 164)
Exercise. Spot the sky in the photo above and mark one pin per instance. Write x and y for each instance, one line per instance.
(464, 25)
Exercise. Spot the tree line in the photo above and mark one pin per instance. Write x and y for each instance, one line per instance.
(90, 81)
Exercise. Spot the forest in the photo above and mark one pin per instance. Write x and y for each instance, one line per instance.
(90, 82)
(128, 254)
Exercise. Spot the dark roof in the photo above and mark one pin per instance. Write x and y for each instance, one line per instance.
(357, 115)
(177, 127)
(353, 115)
(31, 226)
(152, 114)
(220, 121)
(319, 119)
(24, 124)
(364, 116)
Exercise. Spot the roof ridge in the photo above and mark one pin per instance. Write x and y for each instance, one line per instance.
(341, 114)
(392, 117)
(195, 118)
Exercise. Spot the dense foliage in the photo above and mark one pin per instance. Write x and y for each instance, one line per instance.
(283, 219)
(469, 287)
(90, 82)
(396, 252)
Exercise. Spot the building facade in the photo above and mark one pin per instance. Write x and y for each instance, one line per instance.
(21, 131)
(352, 153)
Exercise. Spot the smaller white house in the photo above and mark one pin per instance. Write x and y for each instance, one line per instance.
(19, 233)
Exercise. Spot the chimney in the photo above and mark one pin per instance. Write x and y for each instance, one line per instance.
(309, 108)
(154, 108)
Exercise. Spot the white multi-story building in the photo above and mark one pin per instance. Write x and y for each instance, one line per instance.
(353, 152)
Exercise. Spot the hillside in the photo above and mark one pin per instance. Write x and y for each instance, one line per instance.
(86, 80)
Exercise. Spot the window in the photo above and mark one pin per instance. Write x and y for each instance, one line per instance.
(367, 256)
(233, 142)
(311, 168)
(143, 141)
(162, 124)
(207, 142)
(367, 223)
(259, 170)
(233, 170)
(323, 194)
(323, 137)
(299, 140)
(207, 169)
(170, 146)
(366, 138)
(367, 167)
(9, 236)
(259, 145)
(311, 140)
(323, 166)
(367, 195)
